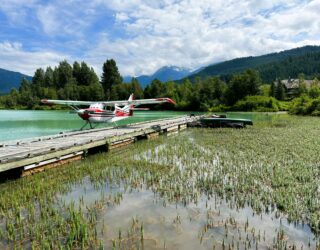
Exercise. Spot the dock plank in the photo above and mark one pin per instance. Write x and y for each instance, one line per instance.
(15, 154)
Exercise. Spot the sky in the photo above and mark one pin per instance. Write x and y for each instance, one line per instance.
(143, 36)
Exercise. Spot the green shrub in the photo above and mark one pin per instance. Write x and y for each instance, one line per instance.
(284, 105)
(304, 105)
(219, 108)
(257, 103)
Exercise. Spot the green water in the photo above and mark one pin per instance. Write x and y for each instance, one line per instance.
(20, 124)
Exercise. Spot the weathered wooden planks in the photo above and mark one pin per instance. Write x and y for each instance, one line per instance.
(34, 152)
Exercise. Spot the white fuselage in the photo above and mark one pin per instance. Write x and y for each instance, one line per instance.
(97, 114)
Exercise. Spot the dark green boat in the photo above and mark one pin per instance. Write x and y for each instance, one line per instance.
(221, 121)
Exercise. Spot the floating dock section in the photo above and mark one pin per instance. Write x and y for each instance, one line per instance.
(37, 154)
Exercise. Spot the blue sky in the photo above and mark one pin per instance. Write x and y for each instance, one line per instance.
(143, 36)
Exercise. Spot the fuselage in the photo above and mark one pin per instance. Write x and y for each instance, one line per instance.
(97, 114)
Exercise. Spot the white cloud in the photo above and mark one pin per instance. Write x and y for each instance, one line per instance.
(121, 17)
(56, 18)
(13, 57)
(17, 10)
(48, 17)
(65, 18)
(195, 33)
(147, 35)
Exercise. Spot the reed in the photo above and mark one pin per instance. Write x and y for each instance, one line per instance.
(271, 168)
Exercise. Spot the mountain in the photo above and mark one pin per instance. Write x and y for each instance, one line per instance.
(10, 79)
(164, 74)
(284, 64)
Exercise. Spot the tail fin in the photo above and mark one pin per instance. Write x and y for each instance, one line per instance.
(131, 106)
(126, 110)
(130, 97)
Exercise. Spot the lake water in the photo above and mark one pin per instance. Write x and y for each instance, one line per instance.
(19, 124)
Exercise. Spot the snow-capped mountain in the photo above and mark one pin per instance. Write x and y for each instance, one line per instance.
(164, 74)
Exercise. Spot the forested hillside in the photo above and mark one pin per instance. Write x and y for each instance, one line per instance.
(10, 79)
(80, 82)
(243, 91)
(289, 63)
(307, 64)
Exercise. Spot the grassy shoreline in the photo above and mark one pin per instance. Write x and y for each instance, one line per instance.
(271, 167)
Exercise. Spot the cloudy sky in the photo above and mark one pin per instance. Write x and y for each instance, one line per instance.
(144, 35)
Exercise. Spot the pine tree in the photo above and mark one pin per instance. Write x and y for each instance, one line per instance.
(279, 91)
(64, 74)
(38, 81)
(48, 77)
(25, 94)
(110, 77)
(76, 71)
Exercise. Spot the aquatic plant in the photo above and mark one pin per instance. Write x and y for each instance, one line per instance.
(218, 181)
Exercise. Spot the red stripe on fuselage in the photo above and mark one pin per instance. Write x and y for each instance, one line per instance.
(122, 113)
(85, 115)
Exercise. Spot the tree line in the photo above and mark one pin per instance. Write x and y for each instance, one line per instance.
(80, 82)
(243, 91)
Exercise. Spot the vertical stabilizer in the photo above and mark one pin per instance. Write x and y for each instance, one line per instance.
(131, 106)
(126, 110)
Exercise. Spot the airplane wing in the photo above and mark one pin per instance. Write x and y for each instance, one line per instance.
(110, 103)
(139, 102)
(70, 103)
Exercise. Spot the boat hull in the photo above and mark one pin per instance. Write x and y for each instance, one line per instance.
(225, 122)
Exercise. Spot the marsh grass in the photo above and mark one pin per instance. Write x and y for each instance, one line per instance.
(272, 168)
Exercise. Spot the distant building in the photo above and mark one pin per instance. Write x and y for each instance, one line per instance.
(292, 85)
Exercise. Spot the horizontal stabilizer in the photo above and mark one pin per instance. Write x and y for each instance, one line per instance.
(140, 109)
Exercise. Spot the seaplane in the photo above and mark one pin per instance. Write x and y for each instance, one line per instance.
(107, 111)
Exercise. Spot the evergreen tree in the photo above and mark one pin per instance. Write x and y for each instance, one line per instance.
(12, 100)
(121, 91)
(96, 91)
(195, 101)
(155, 89)
(48, 78)
(38, 78)
(211, 91)
(272, 91)
(56, 78)
(86, 76)
(25, 94)
(302, 89)
(242, 85)
(185, 91)
(25, 86)
(110, 77)
(76, 71)
(171, 91)
(71, 90)
(136, 89)
(64, 74)
(38, 81)
(279, 91)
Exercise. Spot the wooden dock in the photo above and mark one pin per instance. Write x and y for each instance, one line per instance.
(32, 155)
